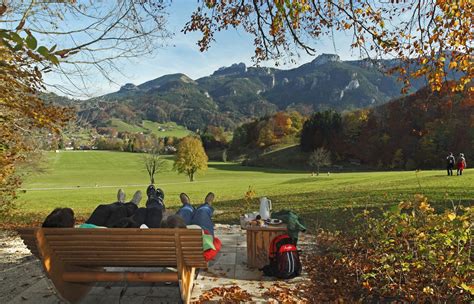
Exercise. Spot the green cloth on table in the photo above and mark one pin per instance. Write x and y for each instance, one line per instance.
(293, 222)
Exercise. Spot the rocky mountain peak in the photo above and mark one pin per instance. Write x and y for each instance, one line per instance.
(128, 87)
(324, 58)
(236, 68)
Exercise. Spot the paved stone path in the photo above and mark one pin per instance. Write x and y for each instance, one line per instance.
(22, 280)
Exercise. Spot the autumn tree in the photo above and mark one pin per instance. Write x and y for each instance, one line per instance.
(282, 124)
(214, 138)
(431, 37)
(319, 158)
(153, 164)
(190, 157)
(36, 38)
(22, 113)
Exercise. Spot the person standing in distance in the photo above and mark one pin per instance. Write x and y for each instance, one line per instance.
(450, 161)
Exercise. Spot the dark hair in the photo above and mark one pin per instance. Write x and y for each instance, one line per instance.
(60, 218)
(173, 221)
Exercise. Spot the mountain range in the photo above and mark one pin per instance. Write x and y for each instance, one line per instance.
(235, 94)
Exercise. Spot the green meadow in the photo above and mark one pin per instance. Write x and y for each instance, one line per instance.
(169, 129)
(83, 179)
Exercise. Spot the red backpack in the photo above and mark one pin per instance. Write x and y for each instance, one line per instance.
(284, 258)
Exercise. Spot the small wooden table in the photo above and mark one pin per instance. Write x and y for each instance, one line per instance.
(258, 243)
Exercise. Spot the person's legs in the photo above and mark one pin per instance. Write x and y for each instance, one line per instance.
(186, 211)
(124, 222)
(203, 217)
(155, 198)
(101, 214)
(131, 208)
(154, 217)
(137, 197)
(139, 217)
(118, 213)
(203, 214)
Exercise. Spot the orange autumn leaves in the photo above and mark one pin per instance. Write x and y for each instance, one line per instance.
(432, 38)
(22, 114)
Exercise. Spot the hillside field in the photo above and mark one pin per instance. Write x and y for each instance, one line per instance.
(83, 179)
(169, 129)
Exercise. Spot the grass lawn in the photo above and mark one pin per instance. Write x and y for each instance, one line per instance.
(169, 129)
(83, 179)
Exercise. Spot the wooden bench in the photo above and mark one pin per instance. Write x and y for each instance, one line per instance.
(74, 258)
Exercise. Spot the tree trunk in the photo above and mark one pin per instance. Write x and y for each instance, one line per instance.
(317, 172)
(191, 177)
(152, 179)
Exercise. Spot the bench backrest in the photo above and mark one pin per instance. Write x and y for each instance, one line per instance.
(119, 247)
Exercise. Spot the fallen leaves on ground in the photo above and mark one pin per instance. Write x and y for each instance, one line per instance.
(228, 295)
(279, 293)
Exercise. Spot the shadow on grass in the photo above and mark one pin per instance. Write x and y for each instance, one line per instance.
(307, 180)
(328, 211)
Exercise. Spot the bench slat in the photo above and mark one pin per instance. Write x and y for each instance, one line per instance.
(75, 247)
(128, 237)
(121, 231)
(120, 276)
(134, 264)
(122, 243)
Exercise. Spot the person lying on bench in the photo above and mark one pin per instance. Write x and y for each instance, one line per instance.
(129, 215)
(201, 218)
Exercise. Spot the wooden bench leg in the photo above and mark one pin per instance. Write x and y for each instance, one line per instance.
(187, 283)
(54, 268)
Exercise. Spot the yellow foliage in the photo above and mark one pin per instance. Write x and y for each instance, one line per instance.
(21, 114)
(451, 216)
(190, 157)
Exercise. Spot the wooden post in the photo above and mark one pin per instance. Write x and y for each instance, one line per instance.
(185, 273)
(183, 279)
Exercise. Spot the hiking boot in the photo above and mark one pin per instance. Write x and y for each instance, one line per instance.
(160, 194)
(121, 196)
(137, 197)
(184, 199)
(209, 198)
(150, 191)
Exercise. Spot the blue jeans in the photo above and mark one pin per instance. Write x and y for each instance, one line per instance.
(202, 216)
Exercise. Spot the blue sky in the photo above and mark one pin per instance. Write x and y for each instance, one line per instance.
(182, 55)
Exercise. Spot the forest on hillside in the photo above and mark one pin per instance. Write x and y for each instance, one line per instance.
(413, 132)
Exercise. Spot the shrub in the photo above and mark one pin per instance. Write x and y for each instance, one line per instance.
(409, 254)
